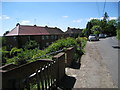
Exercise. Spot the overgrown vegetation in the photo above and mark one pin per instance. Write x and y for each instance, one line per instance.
(30, 53)
(118, 29)
(79, 48)
(103, 26)
(118, 34)
(31, 45)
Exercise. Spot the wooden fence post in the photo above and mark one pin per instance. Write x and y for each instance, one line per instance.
(60, 66)
(27, 83)
(41, 78)
(38, 81)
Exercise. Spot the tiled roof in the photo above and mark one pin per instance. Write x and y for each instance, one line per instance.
(73, 30)
(54, 31)
(33, 30)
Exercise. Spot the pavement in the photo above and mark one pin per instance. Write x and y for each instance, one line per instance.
(92, 71)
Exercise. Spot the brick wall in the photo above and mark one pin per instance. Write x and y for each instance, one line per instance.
(43, 40)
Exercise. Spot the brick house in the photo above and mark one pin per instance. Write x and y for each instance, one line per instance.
(73, 32)
(44, 36)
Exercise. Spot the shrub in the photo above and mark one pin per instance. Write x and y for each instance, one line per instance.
(31, 44)
(25, 56)
(61, 44)
(14, 51)
(30, 55)
(21, 59)
(79, 47)
(41, 55)
(4, 54)
(82, 41)
(118, 34)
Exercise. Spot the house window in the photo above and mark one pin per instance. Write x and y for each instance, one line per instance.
(32, 37)
(52, 36)
(47, 37)
(55, 36)
(43, 37)
(28, 37)
(47, 44)
(14, 38)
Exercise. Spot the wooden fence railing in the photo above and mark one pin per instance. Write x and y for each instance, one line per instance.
(25, 75)
(41, 74)
(44, 78)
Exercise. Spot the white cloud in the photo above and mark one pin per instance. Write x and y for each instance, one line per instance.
(110, 18)
(25, 22)
(94, 18)
(78, 21)
(5, 17)
(65, 16)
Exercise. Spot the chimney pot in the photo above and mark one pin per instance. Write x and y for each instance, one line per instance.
(17, 24)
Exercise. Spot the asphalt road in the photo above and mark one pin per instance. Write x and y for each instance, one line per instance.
(98, 67)
(108, 48)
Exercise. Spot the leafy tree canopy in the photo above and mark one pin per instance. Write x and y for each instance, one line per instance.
(112, 22)
(96, 29)
(105, 17)
(95, 22)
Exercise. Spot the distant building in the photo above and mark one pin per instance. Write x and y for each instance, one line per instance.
(44, 36)
(73, 32)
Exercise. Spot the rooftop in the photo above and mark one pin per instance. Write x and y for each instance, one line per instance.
(73, 30)
(34, 30)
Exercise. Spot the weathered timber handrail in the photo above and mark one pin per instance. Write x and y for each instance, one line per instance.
(44, 73)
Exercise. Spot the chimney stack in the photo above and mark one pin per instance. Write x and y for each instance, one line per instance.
(17, 24)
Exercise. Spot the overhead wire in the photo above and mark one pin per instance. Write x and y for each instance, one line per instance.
(104, 7)
(98, 8)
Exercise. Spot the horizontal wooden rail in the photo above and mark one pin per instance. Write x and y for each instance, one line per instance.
(40, 74)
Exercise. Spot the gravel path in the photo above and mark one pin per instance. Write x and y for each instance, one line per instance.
(93, 72)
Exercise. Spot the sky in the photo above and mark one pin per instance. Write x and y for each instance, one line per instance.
(54, 14)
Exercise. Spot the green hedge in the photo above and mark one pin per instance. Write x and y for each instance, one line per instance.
(60, 44)
(30, 55)
(118, 34)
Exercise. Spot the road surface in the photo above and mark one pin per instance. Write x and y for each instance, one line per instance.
(99, 66)
(108, 48)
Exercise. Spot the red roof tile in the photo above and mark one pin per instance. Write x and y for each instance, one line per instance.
(73, 30)
(33, 30)
(54, 30)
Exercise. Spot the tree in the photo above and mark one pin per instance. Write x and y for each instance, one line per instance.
(84, 32)
(110, 27)
(110, 30)
(105, 17)
(88, 29)
(118, 23)
(96, 29)
(95, 22)
(113, 22)
(103, 25)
